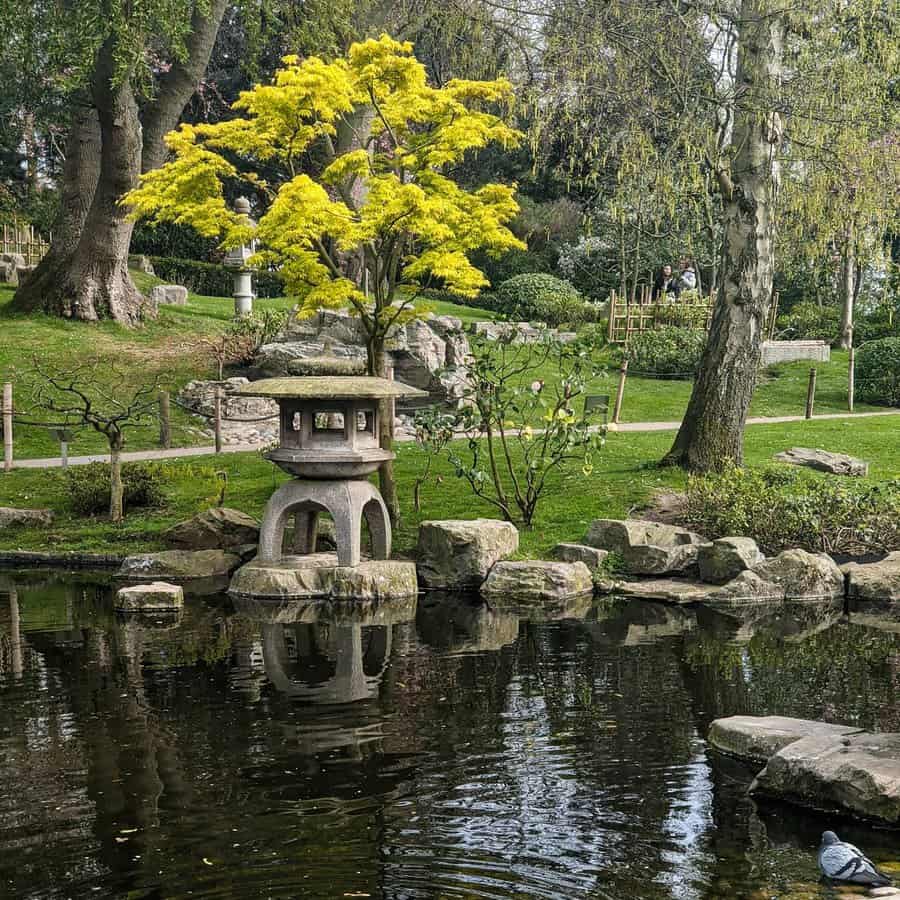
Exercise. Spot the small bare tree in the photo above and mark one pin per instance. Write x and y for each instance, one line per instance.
(78, 398)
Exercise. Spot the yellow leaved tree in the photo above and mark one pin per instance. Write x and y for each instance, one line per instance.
(349, 161)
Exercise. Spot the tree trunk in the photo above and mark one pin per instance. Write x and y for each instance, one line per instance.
(81, 172)
(85, 276)
(116, 490)
(848, 292)
(712, 432)
(379, 365)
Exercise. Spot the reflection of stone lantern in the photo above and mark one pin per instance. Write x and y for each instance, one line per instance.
(237, 259)
(329, 443)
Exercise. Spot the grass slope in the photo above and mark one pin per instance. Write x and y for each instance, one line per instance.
(625, 477)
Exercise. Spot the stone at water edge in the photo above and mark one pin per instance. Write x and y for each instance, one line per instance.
(179, 564)
(457, 554)
(215, 528)
(592, 557)
(725, 558)
(857, 774)
(756, 738)
(10, 517)
(537, 580)
(646, 548)
(875, 581)
(824, 461)
(318, 575)
(803, 574)
(158, 596)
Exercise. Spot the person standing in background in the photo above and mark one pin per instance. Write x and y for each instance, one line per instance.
(666, 283)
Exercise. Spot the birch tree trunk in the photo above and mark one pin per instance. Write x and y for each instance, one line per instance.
(848, 290)
(712, 432)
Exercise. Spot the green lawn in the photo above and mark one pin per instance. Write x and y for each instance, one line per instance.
(167, 347)
(625, 477)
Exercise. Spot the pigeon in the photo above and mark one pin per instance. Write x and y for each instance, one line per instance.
(844, 862)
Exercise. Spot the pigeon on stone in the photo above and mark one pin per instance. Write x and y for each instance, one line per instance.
(844, 862)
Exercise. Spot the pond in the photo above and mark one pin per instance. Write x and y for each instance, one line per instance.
(439, 749)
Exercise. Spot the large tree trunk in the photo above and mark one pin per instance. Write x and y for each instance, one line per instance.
(848, 290)
(712, 433)
(80, 174)
(85, 276)
(95, 283)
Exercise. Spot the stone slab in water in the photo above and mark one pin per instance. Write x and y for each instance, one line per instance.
(756, 738)
(537, 580)
(158, 596)
(824, 461)
(179, 565)
(748, 586)
(875, 581)
(803, 574)
(855, 773)
(319, 575)
(457, 554)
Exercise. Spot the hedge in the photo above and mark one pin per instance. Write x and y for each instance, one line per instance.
(212, 280)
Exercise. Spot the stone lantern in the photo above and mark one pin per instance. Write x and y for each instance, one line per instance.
(329, 427)
(237, 259)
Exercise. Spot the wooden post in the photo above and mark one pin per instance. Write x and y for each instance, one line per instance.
(610, 331)
(620, 392)
(811, 393)
(217, 418)
(851, 380)
(165, 424)
(7, 427)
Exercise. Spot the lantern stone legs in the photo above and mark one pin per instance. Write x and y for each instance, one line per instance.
(347, 501)
(243, 293)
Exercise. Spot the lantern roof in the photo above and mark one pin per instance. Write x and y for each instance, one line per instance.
(330, 387)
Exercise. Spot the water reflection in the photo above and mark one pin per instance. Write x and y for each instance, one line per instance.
(447, 749)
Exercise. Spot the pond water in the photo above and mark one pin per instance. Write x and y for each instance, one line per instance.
(438, 749)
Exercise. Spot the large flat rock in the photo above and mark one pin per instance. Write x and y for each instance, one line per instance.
(857, 774)
(875, 581)
(756, 738)
(157, 596)
(457, 554)
(824, 461)
(319, 575)
(532, 580)
(745, 587)
(10, 517)
(179, 565)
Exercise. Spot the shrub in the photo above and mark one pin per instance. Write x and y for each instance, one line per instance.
(668, 350)
(498, 269)
(810, 322)
(543, 298)
(782, 508)
(88, 487)
(210, 279)
(878, 372)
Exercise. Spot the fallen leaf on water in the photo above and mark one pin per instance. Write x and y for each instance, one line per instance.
(121, 840)
(206, 862)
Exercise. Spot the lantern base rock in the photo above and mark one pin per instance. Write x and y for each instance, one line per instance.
(318, 575)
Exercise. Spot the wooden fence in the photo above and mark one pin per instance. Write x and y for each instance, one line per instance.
(24, 241)
(629, 318)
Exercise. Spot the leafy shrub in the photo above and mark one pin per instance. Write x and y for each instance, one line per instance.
(543, 298)
(171, 239)
(668, 350)
(88, 486)
(878, 372)
(874, 327)
(210, 279)
(782, 508)
(498, 269)
(810, 322)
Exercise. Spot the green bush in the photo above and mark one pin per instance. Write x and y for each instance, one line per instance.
(543, 298)
(210, 279)
(668, 350)
(88, 487)
(782, 508)
(810, 322)
(878, 372)
(498, 269)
